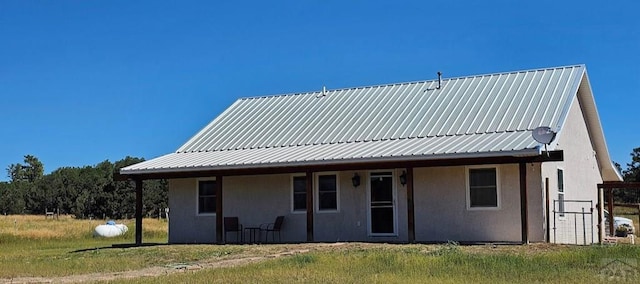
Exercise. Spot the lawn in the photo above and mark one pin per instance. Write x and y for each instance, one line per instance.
(367, 263)
(38, 250)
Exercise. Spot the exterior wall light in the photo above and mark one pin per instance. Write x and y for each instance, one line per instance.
(355, 180)
(403, 178)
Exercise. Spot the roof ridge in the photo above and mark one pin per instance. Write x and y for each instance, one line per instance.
(413, 82)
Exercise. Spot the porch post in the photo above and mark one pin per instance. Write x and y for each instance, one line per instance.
(599, 207)
(138, 212)
(610, 209)
(309, 188)
(411, 230)
(219, 229)
(524, 218)
(548, 211)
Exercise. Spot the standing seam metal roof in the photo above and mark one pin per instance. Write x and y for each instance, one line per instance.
(475, 115)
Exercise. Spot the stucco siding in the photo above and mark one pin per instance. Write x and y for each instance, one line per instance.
(441, 212)
(349, 222)
(253, 199)
(185, 226)
(259, 199)
(581, 176)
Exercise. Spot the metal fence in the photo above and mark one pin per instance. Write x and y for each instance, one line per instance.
(573, 222)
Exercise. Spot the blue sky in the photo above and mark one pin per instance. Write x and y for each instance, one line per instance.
(86, 81)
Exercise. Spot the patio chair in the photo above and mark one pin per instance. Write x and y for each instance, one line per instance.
(272, 228)
(232, 224)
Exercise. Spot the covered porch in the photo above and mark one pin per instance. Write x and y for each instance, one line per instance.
(311, 225)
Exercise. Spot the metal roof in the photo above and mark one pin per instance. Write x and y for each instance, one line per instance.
(478, 115)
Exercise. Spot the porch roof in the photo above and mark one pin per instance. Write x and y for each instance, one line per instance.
(462, 146)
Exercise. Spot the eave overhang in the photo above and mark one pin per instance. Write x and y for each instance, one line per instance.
(524, 156)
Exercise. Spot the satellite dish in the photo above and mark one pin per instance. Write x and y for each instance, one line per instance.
(544, 135)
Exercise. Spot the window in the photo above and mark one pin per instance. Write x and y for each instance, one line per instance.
(299, 184)
(207, 197)
(327, 192)
(561, 192)
(482, 188)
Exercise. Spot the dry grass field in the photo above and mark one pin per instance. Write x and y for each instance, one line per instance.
(37, 227)
(36, 246)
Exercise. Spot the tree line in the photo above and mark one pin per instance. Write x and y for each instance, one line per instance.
(85, 192)
(631, 174)
(91, 192)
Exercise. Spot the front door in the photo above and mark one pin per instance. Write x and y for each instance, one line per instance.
(382, 204)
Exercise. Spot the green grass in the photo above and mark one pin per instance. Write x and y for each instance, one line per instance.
(420, 264)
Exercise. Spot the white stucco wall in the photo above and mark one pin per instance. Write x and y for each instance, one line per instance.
(440, 208)
(259, 199)
(185, 226)
(581, 176)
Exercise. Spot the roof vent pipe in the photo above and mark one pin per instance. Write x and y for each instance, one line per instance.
(323, 93)
(439, 80)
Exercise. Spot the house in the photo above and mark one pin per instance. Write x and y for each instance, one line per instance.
(429, 161)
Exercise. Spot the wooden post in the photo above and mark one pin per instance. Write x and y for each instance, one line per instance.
(411, 230)
(524, 218)
(219, 217)
(599, 208)
(309, 189)
(638, 212)
(610, 209)
(138, 212)
(548, 203)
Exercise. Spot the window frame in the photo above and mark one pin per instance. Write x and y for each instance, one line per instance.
(468, 188)
(293, 193)
(561, 192)
(197, 194)
(316, 189)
